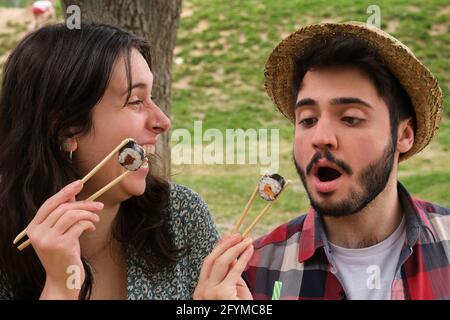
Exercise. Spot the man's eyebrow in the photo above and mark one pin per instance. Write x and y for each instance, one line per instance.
(335, 101)
(139, 85)
(350, 100)
(305, 102)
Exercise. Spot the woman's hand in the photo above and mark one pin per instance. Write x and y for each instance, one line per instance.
(220, 277)
(54, 233)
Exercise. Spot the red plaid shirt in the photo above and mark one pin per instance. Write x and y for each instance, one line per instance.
(297, 256)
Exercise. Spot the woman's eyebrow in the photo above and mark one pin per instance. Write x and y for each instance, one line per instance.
(139, 85)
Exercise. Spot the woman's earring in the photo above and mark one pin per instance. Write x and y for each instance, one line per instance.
(69, 147)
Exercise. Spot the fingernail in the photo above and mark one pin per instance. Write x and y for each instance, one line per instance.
(248, 240)
(99, 205)
(75, 184)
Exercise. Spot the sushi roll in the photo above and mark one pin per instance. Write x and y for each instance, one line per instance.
(131, 156)
(270, 186)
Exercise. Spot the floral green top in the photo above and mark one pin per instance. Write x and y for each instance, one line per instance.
(190, 223)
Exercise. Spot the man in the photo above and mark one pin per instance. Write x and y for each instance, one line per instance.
(361, 103)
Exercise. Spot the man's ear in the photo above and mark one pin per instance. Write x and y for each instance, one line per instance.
(405, 136)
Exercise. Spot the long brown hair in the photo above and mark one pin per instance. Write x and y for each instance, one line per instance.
(52, 80)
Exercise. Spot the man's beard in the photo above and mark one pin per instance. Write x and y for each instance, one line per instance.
(372, 180)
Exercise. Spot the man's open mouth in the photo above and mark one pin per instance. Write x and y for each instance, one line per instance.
(326, 172)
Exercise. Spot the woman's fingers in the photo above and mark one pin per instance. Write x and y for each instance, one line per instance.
(235, 274)
(72, 217)
(64, 195)
(54, 216)
(221, 272)
(224, 244)
(78, 228)
(225, 261)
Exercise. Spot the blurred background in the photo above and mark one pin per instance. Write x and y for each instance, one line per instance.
(218, 64)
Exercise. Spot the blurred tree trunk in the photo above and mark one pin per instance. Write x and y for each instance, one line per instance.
(155, 20)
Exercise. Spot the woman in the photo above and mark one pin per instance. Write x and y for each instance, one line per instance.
(68, 98)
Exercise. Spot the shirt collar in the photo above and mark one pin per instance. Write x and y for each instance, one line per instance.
(313, 234)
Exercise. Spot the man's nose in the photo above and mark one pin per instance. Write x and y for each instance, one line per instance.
(324, 136)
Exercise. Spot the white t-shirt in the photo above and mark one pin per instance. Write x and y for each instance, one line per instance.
(367, 273)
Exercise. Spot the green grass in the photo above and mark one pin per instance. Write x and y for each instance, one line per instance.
(224, 48)
(26, 3)
(434, 185)
(17, 3)
(14, 30)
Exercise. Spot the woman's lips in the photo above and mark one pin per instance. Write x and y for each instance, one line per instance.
(143, 170)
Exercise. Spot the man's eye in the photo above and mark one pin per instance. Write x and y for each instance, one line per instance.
(308, 122)
(351, 120)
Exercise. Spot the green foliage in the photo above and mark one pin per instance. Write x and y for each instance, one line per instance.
(224, 47)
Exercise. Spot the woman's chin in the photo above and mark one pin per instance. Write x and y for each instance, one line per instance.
(135, 188)
(138, 191)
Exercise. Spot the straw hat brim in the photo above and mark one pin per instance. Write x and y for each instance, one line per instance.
(418, 81)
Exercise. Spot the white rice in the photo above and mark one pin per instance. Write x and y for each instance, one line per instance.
(274, 184)
(137, 162)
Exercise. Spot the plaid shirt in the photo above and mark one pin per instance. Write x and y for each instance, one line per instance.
(294, 261)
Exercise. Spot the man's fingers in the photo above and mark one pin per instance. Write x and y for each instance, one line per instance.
(64, 195)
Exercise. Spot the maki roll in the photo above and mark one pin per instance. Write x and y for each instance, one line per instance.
(131, 156)
(270, 186)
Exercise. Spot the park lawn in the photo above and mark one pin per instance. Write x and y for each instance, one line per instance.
(218, 78)
(221, 51)
(24, 3)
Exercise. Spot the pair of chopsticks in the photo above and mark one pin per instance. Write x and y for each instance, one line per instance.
(86, 178)
(259, 216)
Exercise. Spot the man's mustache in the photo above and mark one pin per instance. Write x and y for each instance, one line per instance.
(329, 156)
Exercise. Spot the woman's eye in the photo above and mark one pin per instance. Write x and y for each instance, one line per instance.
(308, 122)
(136, 102)
(351, 120)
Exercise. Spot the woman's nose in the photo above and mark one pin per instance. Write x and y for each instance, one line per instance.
(158, 121)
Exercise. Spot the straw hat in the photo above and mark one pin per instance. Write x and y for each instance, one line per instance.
(418, 81)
